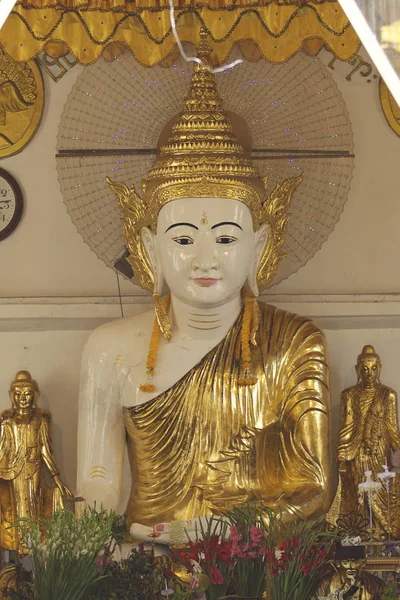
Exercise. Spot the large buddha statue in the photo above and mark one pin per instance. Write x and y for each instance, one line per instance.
(235, 402)
(368, 434)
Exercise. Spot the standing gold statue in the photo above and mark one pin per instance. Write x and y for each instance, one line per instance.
(25, 444)
(368, 433)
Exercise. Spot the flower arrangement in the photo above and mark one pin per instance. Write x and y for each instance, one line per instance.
(245, 553)
(296, 565)
(138, 577)
(64, 551)
(252, 551)
(212, 553)
(248, 534)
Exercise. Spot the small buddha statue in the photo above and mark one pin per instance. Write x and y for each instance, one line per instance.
(368, 434)
(25, 448)
(348, 579)
(221, 398)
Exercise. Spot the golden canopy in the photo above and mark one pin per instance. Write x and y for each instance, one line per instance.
(275, 29)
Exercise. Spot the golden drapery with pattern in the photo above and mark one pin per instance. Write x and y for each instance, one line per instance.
(273, 29)
(207, 442)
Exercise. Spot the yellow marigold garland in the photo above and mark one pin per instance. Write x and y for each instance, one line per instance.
(247, 335)
(153, 350)
(249, 325)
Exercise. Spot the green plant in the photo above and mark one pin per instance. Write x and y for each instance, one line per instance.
(136, 578)
(389, 592)
(212, 552)
(64, 552)
(251, 524)
(296, 566)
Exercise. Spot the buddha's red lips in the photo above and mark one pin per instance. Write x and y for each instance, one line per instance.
(205, 281)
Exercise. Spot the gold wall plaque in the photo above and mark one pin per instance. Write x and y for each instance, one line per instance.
(390, 108)
(21, 103)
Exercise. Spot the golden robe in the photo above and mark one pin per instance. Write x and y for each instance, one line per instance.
(25, 444)
(369, 431)
(207, 442)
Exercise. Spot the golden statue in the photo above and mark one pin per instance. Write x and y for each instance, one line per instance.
(25, 445)
(368, 434)
(236, 403)
(348, 578)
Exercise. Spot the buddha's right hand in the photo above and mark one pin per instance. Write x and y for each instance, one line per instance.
(175, 533)
(159, 533)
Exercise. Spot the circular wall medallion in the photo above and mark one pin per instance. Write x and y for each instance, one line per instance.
(390, 108)
(11, 204)
(21, 103)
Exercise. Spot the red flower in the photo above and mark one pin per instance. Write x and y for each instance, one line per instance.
(270, 557)
(224, 551)
(315, 563)
(216, 576)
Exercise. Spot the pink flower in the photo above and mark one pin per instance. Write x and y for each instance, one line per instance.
(102, 561)
(234, 535)
(216, 576)
(256, 535)
(236, 550)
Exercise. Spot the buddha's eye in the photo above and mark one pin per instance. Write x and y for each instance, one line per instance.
(183, 240)
(226, 239)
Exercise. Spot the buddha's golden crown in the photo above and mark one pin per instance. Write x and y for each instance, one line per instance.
(203, 157)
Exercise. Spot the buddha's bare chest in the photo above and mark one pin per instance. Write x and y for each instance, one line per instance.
(174, 360)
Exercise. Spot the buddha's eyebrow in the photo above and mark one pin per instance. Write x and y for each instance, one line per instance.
(226, 223)
(179, 224)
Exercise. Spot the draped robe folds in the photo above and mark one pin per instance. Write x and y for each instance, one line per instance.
(369, 432)
(207, 443)
(25, 444)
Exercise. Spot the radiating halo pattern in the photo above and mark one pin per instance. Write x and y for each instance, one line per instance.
(295, 112)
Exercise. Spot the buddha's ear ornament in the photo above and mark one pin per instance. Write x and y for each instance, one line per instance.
(134, 211)
(275, 212)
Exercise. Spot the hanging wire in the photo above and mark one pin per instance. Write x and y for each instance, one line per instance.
(195, 58)
(119, 294)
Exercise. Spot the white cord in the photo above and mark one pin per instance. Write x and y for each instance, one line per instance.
(194, 58)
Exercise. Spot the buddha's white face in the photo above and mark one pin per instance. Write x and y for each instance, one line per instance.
(205, 249)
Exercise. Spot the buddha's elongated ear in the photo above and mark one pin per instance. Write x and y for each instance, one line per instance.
(275, 212)
(134, 211)
(261, 238)
(149, 242)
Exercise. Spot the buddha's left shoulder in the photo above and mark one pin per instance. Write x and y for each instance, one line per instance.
(388, 392)
(277, 318)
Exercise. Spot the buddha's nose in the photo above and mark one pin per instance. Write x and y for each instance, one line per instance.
(205, 258)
